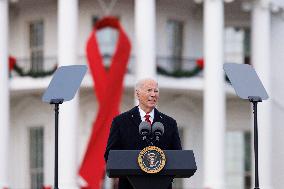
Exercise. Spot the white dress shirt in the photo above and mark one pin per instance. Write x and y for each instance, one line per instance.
(142, 114)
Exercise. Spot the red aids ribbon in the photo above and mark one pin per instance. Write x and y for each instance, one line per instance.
(108, 89)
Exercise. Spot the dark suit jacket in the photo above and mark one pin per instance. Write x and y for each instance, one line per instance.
(124, 135)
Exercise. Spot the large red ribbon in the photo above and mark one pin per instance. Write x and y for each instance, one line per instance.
(108, 89)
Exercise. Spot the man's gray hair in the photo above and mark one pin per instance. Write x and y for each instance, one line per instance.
(141, 82)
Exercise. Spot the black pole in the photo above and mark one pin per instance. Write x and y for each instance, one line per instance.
(254, 101)
(256, 145)
(56, 109)
(56, 103)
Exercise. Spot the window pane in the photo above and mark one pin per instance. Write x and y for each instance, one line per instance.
(107, 40)
(36, 34)
(238, 160)
(36, 45)
(248, 160)
(36, 136)
(237, 45)
(175, 45)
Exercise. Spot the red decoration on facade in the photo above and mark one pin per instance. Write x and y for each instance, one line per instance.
(12, 63)
(200, 63)
(108, 89)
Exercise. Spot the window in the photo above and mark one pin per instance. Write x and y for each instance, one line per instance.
(237, 45)
(107, 39)
(36, 45)
(175, 45)
(248, 151)
(238, 160)
(36, 144)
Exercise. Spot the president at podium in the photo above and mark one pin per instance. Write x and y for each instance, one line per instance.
(129, 130)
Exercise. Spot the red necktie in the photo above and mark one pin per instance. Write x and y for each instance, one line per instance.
(147, 118)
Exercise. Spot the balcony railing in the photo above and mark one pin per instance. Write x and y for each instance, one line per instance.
(47, 63)
(178, 67)
(165, 65)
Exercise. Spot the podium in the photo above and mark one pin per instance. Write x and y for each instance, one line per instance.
(123, 164)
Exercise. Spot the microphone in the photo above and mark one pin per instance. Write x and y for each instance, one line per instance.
(144, 130)
(158, 130)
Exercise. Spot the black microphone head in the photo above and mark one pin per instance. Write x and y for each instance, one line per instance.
(144, 128)
(158, 128)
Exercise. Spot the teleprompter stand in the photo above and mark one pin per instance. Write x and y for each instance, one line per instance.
(63, 87)
(248, 86)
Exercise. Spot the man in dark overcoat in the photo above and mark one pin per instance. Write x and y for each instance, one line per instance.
(124, 133)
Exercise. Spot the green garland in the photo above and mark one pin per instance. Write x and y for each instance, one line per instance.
(34, 74)
(180, 73)
(162, 71)
(177, 73)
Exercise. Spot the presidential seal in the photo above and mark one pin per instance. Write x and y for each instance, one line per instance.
(151, 159)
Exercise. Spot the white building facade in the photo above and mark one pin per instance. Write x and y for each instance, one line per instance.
(167, 34)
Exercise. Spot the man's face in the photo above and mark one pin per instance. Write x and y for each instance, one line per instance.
(148, 95)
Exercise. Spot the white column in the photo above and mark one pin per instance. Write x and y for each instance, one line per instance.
(68, 112)
(4, 95)
(214, 95)
(145, 23)
(261, 62)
